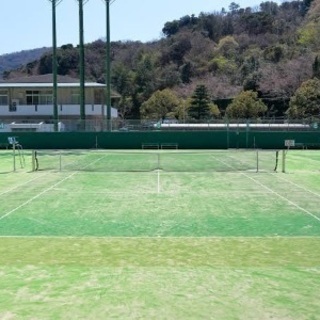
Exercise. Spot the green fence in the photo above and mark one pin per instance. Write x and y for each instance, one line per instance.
(183, 140)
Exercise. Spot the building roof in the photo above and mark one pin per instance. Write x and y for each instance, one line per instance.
(49, 85)
(46, 81)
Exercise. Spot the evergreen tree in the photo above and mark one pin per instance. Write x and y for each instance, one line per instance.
(200, 103)
(316, 68)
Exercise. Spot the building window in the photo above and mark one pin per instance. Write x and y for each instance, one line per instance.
(45, 99)
(34, 97)
(3, 97)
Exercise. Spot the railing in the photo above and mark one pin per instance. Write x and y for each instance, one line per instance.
(128, 125)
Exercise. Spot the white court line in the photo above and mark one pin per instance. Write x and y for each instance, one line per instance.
(274, 192)
(240, 238)
(280, 196)
(44, 191)
(296, 185)
(36, 196)
(234, 192)
(22, 184)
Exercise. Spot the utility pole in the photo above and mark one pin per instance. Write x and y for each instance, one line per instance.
(54, 65)
(82, 66)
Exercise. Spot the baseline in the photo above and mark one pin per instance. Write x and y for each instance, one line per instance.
(158, 237)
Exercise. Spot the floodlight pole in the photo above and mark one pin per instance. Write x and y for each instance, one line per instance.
(108, 66)
(82, 66)
(54, 65)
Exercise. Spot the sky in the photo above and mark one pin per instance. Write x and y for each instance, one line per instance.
(27, 25)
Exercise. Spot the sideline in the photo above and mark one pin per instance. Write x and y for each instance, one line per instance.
(44, 191)
(296, 185)
(36, 196)
(22, 184)
(272, 191)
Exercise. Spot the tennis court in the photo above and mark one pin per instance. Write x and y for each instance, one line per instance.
(160, 234)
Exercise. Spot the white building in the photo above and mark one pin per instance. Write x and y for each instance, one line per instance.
(28, 100)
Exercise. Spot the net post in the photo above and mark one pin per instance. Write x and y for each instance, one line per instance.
(33, 161)
(283, 161)
(14, 156)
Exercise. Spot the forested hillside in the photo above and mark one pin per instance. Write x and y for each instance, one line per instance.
(270, 51)
(14, 60)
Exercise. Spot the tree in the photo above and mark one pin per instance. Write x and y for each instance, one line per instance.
(178, 49)
(169, 76)
(228, 47)
(246, 105)
(200, 103)
(316, 68)
(214, 110)
(160, 105)
(145, 75)
(186, 72)
(170, 28)
(306, 100)
(122, 79)
(234, 7)
(269, 7)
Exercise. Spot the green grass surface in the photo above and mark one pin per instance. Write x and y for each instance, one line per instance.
(129, 241)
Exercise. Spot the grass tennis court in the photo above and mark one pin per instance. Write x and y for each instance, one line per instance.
(160, 235)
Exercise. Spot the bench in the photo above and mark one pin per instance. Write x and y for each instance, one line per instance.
(169, 146)
(150, 145)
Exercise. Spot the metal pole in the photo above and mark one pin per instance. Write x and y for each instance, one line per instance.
(14, 156)
(82, 66)
(108, 66)
(54, 65)
(33, 161)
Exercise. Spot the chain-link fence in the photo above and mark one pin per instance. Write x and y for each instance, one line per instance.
(128, 125)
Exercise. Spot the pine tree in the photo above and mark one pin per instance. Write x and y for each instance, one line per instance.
(200, 103)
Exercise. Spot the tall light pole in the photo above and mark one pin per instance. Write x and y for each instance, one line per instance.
(108, 64)
(82, 65)
(54, 64)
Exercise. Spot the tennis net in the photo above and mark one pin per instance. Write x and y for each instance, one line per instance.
(169, 160)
